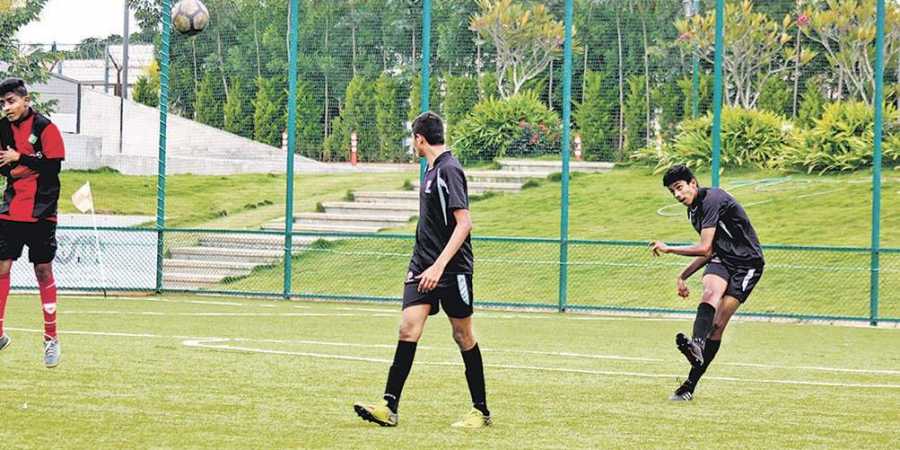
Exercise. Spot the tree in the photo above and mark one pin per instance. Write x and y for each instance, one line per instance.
(756, 49)
(30, 65)
(389, 118)
(525, 40)
(845, 30)
(634, 114)
(309, 122)
(238, 110)
(208, 105)
(813, 103)
(594, 120)
(146, 90)
(462, 95)
(266, 124)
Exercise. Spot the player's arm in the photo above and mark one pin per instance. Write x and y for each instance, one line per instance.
(704, 248)
(428, 279)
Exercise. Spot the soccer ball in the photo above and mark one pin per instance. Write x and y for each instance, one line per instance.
(190, 17)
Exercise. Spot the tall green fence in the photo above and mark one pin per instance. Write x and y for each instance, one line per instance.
(758, 97)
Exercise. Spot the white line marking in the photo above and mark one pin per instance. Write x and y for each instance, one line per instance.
(491, 350)
(215, 344)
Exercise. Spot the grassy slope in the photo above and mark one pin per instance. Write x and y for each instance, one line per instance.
(209, 201)
(623, 205)
(148, 389)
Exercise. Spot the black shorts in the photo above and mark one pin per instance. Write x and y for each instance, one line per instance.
(454, 292)
(40, 237)
(741, 280)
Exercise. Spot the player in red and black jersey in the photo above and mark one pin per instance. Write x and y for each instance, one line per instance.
(30, 157)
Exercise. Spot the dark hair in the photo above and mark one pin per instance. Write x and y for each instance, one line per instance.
(430, 126)
(678, 172)
(14, 85)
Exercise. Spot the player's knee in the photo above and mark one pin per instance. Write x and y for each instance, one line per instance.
(43, 272)
(710, 295)
(410, 332)
(464, 338)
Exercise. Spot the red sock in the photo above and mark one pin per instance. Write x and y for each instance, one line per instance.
(48, 304)
(4, 294)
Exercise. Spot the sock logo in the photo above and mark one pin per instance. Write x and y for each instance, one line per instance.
(50, 308)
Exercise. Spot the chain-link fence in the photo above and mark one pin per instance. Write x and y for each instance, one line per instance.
(794, 142)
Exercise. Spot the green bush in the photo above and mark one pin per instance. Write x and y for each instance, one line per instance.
(518, 126)
(309, 121)
(267, 113)
(812, 104)
(749, 138)
(594, 119)
(462, 95)
(487, 86)
(775, 96)
(841, 140)
(705, 94)
(238, 112)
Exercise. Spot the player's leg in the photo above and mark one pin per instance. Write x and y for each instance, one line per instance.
(412, 324)
(464, 335)
(41, 240)
(727, 307)
(5, 266)
(714, 286)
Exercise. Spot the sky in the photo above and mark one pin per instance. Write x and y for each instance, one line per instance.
(70, 21)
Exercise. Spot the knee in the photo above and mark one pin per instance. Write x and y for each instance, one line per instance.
(718, 330)
(711, 296)
(410, 332)
(43, 272)
(464, 338)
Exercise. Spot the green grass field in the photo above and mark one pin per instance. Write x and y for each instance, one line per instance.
(206, 372)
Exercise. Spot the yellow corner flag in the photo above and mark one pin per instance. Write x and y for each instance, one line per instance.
(83, 199)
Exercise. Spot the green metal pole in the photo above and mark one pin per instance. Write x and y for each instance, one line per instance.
(291, 146)
(695, 83)
(425, 101)
(876, 163)
(564, 196)
(163, 121)
(717, 91)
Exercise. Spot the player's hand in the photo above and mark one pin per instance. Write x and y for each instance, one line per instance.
(682, 288)
(658, 248)
(8, 156)
(428, 280)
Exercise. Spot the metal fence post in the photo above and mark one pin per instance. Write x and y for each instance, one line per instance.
(163, 120)
(564, 196)
(425, 101)
(717, 91)
(291, 148)
(876, 163)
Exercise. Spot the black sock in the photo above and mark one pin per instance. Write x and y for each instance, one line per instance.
(709, 352)
(475, 378)
(703, 324)
(403, 359)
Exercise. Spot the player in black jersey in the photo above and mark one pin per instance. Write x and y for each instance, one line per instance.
(439, 274)
(734, 264)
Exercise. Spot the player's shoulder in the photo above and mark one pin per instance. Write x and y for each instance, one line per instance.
(716, 196)
(448, 162)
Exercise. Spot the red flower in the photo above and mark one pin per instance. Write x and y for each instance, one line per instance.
(802, 20)
(686, 36)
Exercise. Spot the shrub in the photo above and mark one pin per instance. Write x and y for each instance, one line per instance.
(841, 140)
(749, 138)
(520, 125)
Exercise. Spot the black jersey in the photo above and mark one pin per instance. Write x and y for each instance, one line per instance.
(735, 243)
(444, 190)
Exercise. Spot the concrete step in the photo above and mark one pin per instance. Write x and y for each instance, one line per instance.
(386, 197)
(253, 241)
(356, 220)
(220, 268)
(191, 279)
(500, 176)
(476, 188)
(259, 256)
(401, 209)
(278, 225)
(526, 165)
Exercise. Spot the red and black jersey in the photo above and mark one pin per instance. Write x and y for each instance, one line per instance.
(32, 184)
